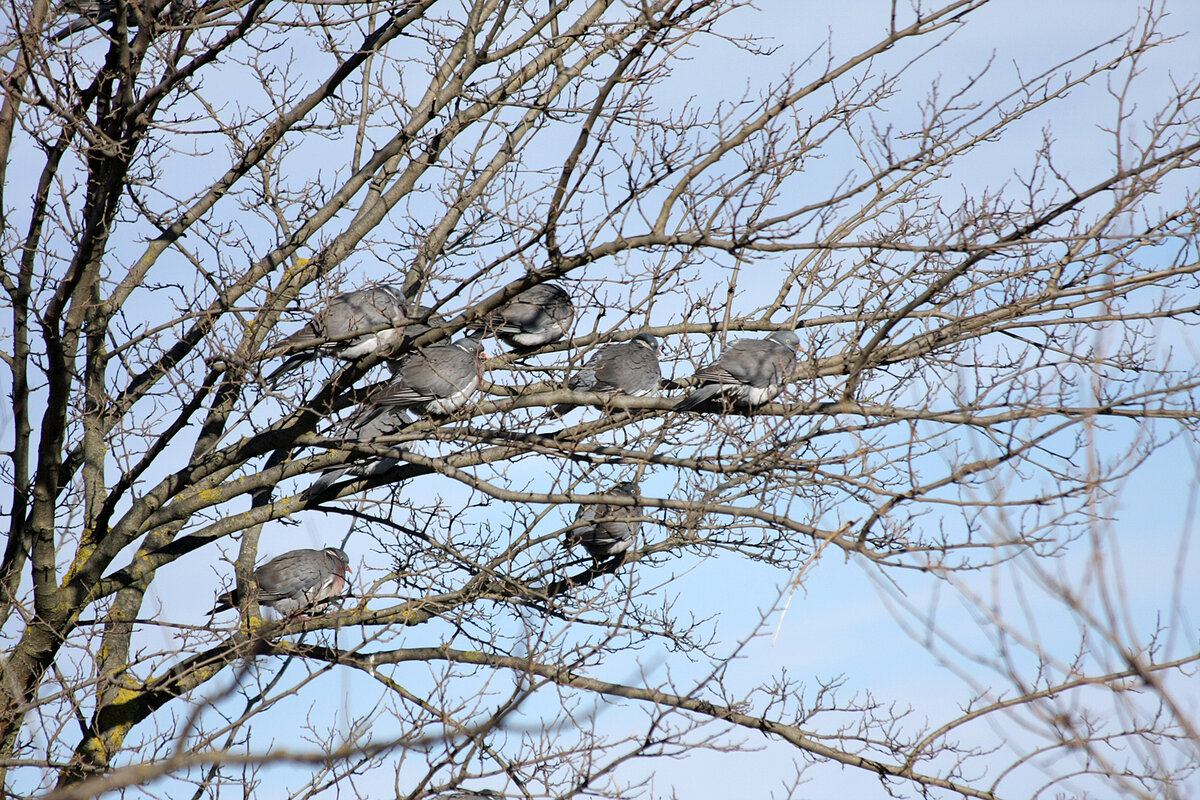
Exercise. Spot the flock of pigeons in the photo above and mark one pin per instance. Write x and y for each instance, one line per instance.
(442, 378)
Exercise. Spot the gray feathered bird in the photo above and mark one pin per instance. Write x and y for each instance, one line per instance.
(749, 373)
(300, 580)
(94, 13)
(436, 380)
(539, 315)
(630, 368)
(353, 325)
(607, 531)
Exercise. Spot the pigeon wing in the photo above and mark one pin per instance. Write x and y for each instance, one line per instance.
(291, 576)
(632, 369)
(364, 310)
(439, 371)
(750, 362)
(609, 529)
(543, 312)
(346, 314)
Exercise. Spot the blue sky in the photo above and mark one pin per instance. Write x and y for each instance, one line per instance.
(845, 622)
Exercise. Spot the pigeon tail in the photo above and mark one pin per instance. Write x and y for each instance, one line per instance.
(362, 428)
(224, 603)
(75, 26)
(366, 469)
(583, 382)
(371, 422)
(289, 364)
(699, 397)
(323, 483)
(561, 410)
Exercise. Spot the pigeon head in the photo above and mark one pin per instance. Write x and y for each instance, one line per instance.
(646, 340)
(340, 555)
(472, 343)
(788, 339)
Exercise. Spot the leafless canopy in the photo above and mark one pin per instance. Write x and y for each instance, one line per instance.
(997, 335)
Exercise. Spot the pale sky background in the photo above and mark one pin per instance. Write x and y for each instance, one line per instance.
(838, 622)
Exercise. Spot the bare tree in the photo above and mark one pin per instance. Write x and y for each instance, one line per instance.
(997, 334)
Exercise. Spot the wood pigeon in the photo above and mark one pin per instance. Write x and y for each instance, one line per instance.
(628, 367)
(437, 380)
(300, 580)
(539, 315)
(94, 13)
(607, 531)
(749, 373)
(380, 313)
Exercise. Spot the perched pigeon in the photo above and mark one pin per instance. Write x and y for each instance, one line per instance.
(297, 581)
(381, 312)
(607, 531)
(437, 380)
(629, 368)
(94, 13)
(539, 315)
(749, 373)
